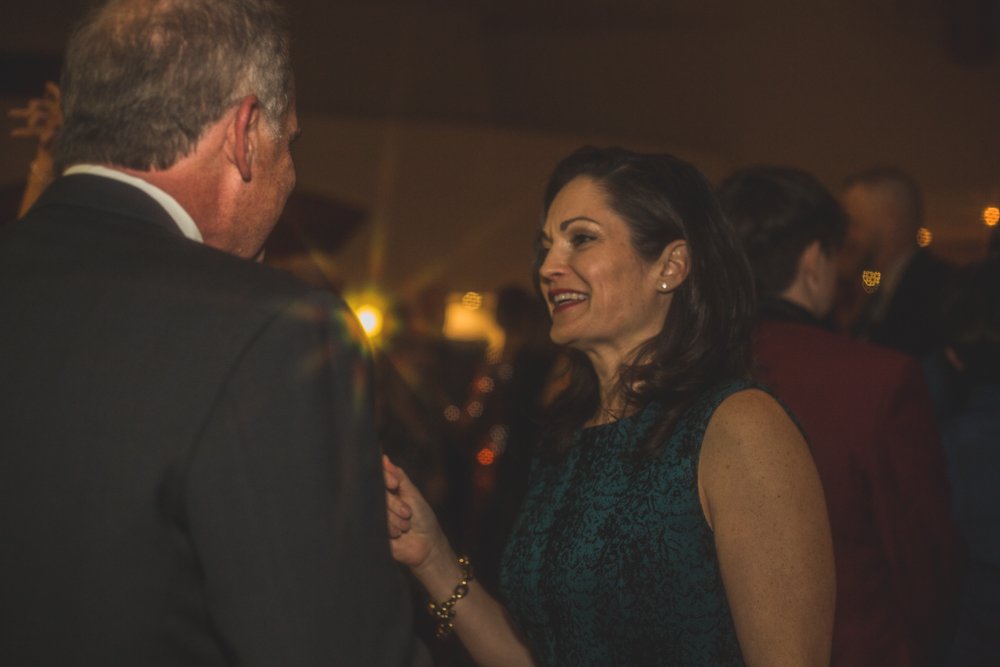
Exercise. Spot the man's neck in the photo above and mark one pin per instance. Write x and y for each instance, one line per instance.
(174, 209)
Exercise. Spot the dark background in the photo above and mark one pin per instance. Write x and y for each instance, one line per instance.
(439, 120)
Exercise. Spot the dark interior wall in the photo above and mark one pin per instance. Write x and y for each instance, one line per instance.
(441, 119)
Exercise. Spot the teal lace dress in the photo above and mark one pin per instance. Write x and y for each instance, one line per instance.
(611, 561)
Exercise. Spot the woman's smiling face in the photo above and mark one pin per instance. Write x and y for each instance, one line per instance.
(601, 293)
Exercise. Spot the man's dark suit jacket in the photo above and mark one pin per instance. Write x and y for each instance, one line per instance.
(868, 417)
(188, 474)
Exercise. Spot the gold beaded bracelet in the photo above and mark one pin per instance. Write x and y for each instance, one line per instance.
(445, 611)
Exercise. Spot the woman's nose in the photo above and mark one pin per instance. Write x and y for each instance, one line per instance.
(552, 266)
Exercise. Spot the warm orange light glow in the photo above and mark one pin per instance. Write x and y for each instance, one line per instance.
(485, 385)
(452, 413)
(475, 409)
(485, 457)
(870, 280)
(924, 237)
(370, 306)
(991, 215)
(472, 300)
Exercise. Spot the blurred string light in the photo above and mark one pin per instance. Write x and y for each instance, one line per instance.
(472, 300)
(485, 456)
(870, 280)
(452, 413)
(498, 438)
(924, 237)
(499, 433)
(469, 317)
(991, 215)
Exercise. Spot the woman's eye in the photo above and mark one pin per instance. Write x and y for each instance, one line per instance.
(580, 239)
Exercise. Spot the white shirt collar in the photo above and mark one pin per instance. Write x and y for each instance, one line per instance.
(176, 212)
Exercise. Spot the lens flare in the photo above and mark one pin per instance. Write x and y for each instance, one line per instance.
(371, 319)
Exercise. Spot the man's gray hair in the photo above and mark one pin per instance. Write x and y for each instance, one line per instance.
(143, 79)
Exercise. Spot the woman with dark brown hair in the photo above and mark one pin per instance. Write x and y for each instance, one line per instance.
(674, 515)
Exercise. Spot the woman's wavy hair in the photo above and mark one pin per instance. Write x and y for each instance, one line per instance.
(706, 335)
(142, 79)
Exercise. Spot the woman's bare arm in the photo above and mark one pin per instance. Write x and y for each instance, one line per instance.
(763, 498)
(417, 541)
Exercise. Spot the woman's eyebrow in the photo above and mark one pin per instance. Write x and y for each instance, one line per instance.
(566, 223)
(543, 235)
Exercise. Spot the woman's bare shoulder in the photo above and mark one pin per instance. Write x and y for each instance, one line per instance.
(748, 413)
(751, 447)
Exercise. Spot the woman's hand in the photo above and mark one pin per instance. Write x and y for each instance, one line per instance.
(417, 540)
(415, 535)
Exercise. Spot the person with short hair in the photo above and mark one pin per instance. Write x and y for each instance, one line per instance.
(188, 472)
(903, 311)
(868, 417)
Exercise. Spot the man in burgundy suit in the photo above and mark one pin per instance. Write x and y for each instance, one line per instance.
(868, 417)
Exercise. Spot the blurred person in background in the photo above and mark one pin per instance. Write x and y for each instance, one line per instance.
(509, 393)
(971, 432)
(885, 210)
(868, 418)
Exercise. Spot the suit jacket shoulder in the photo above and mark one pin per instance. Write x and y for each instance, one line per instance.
(187, 459)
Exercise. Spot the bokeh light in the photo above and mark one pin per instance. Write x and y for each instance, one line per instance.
(924, 237)
(472, 300)
(991, 215)
(485, 456)
(498, 433)
(870, 280)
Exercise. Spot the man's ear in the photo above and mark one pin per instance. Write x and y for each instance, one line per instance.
(675, 264)
(245, 135)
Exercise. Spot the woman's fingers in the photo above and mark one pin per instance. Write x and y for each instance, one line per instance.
(399, 512)
(391, 469)
(397, 506)
(397, 526)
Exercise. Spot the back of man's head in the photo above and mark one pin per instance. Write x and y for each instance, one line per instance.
(898, 188)
(144, 78)
(778, 213)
